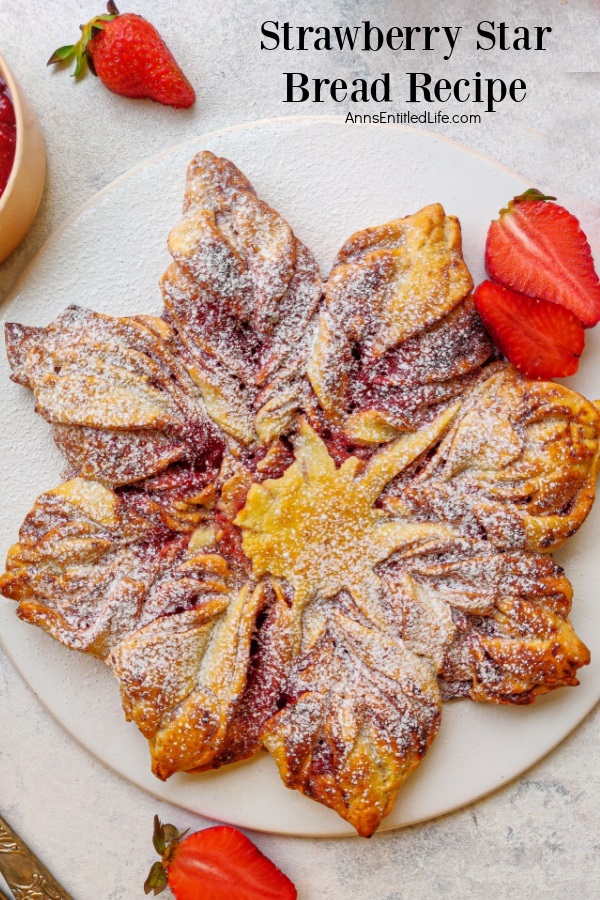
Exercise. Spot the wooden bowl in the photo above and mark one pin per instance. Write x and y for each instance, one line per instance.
(21, 198)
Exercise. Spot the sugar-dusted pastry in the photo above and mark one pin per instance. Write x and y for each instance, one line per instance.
(242, 293)
(494, 623)
(182, 677)
(120, 401)
(519, 464)
(93, 565)
(300, 518)
(398, 334)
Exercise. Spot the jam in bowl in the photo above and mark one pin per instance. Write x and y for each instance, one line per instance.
(8, 135)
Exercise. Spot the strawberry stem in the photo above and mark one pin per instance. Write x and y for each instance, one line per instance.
(79, 51)
(532, 194)
(529, 194)
(165, 838)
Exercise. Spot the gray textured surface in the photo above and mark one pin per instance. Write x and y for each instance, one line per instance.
(539, 835)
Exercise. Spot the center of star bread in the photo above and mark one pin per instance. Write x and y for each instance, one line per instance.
(317, 527)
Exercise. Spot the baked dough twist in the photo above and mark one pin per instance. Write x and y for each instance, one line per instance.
(300, 516)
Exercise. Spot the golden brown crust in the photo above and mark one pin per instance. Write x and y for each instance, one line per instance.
(398, 334)
(182, 676)
(524, 650)
(518, 465)
(122, 405)
(360, 712)
(242, 294)
(494, 623)
(414, 272)
(300, 525)
(92, 566)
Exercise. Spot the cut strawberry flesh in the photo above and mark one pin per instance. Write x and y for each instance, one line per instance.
(539, 249)
(220, 863)
(541, 339)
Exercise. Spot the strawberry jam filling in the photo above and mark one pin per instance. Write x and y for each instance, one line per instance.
(8, 136)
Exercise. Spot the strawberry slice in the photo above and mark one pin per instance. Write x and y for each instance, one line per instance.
(541, 339)
(538, 248)
(218, 863)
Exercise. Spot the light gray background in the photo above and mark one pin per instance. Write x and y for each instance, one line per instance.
(538, 836)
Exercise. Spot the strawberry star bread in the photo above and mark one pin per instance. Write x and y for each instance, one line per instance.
(300, 515)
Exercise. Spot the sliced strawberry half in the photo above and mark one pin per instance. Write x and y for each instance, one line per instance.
(218, 863)
(538, 248)
(541, 339)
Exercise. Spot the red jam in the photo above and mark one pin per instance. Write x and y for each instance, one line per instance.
(8, 136)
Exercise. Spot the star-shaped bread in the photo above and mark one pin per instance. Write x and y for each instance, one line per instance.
(299, 515)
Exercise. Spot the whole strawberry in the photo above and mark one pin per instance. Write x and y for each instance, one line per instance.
(129, 56)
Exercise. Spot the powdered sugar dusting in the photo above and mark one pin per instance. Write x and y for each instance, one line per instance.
(398, 559)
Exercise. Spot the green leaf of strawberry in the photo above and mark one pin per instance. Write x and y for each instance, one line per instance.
(537, 247)
(80, 51)
(129, 56)
(541, 339)
(63, 54)
(156, 881)
(158, 838)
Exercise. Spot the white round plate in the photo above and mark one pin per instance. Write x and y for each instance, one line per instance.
(328, 179)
